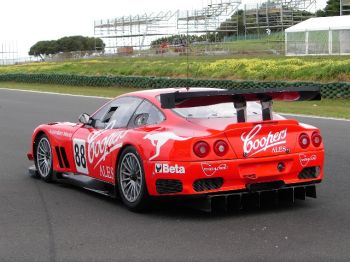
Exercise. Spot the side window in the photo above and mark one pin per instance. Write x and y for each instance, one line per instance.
(146, 114)
(117, 114)
(99, 114)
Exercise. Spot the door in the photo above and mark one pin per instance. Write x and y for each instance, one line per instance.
(96, 146)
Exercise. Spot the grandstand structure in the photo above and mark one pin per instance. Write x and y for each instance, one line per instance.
(276, 15)
(136, 32)
(344, 7)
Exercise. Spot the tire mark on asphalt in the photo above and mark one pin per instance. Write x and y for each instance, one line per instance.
(52, 247)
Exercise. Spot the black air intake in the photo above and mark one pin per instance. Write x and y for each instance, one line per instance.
(208, 184)
(309, 172)
(168, 186)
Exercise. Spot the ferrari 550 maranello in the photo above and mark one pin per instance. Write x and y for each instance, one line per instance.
(222, 145)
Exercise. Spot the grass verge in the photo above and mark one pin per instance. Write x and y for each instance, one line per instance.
(338, 108)
(326, 107)
(319, 69)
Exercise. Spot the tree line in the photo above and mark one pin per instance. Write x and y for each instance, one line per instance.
(67, 44)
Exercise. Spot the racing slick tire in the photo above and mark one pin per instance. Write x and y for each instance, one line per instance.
(44, 158)
(131, 180)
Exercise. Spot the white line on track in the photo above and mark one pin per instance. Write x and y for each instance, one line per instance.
(105, 98)
(53, 93)
(316, 117)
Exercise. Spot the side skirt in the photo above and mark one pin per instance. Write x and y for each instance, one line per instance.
(82, 181)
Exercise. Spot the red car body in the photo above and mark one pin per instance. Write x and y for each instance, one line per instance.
(184, 155)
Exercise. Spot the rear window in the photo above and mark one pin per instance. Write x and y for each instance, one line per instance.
(223, 110)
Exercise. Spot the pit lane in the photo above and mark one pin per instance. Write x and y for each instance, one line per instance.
(51, 222)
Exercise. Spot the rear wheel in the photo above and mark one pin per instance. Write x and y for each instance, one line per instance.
(131, 180)
(43, 158)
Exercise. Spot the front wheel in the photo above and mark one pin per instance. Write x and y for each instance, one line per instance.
(43, 158)
(131, 180)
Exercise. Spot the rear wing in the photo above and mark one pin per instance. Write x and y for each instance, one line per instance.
(240, 97)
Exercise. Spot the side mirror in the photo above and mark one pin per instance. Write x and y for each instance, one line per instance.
(141, 119)
(84, 118)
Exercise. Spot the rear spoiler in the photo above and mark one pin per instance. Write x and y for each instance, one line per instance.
(240, 97)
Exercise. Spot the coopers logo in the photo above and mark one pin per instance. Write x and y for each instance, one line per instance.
(169, 169)
(253, 145)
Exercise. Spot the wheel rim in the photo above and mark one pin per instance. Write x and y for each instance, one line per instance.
(44, 157)
(131, 177)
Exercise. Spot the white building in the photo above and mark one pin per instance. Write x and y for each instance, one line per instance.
(319, 36)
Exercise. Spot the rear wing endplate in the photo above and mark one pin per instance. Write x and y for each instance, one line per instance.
(240, 97)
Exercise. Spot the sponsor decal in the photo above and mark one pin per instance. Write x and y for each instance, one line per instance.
(279, 149)
(304, 159)
(79, 151)
(161, 138)
(60, 133)
(100, 146)
(253, 145)
(106, 171)
(211, 169)
(169, 169)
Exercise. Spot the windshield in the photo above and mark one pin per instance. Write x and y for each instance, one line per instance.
(223, 110)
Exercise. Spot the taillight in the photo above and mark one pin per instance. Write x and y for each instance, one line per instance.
(316, 139)
(220, 148)
(304, 140)
(201, 149)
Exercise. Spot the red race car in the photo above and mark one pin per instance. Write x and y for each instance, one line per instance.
(222, 145)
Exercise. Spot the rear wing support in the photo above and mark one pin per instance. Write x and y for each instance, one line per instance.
(240, 98)
(241, 108)
(266, 109)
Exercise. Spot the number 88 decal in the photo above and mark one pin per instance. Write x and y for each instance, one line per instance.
(80, 156)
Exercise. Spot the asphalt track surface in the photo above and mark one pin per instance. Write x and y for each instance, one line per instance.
(51, 222)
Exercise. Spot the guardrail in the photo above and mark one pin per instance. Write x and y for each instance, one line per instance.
(328, 90)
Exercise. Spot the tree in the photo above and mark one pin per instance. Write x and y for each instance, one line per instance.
(332, 8)
(67, 44)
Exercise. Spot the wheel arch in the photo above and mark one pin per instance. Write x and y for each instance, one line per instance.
(35, 140)
(117, 160)
(119, 155)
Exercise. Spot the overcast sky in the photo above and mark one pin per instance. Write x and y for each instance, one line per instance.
(24, 22)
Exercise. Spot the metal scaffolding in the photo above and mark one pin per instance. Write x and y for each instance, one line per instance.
(140, 30)
(134, 31)
(344, 7)
(210, 18)
(8, 53)
(276, 15)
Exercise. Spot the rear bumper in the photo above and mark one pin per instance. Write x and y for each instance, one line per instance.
(242, 199)
(198, 178)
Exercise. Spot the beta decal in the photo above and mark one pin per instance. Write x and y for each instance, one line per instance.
(304, 159)
(252, 145)
(211, 169)
(160, 138)
(169, 169)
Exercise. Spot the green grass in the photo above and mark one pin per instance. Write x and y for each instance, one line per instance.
(318, 69)
(326, 107)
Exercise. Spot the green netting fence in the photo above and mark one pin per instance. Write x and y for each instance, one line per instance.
(329, 90)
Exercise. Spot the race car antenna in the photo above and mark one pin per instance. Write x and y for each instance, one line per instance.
(187, 55)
